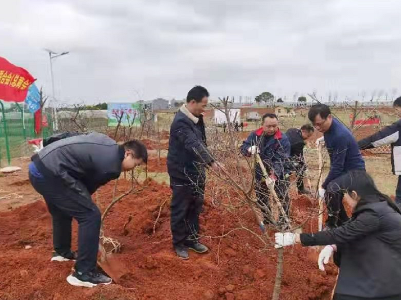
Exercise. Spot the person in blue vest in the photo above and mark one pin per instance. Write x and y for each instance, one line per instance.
(389, 135)
(344, 155)
(274, 149)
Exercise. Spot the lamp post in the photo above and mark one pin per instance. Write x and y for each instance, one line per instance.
(53, 55)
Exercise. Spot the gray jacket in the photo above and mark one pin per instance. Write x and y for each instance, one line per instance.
(83, 163)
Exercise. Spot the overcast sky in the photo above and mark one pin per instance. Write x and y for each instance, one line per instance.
(122, 50)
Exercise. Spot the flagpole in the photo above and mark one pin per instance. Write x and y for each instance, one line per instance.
(5, 133)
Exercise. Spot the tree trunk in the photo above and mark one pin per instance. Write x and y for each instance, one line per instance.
(279, 274)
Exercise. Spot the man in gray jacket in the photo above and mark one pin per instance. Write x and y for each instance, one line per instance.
(66, 172)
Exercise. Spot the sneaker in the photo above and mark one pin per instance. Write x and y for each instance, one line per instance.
(90, 279)
(197, 247)
(67, 257)
(182, 252)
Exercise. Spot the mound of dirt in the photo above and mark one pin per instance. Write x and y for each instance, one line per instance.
(235, 267)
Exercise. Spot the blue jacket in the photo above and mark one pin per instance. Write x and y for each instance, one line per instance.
(343, 151)
(274, 152)
(187, 152)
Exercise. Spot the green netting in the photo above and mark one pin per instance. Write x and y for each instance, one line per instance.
(16, 128)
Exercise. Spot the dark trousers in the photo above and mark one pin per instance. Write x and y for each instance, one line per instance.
(186, 206)
(398, 191)
(64, 204)
(300, 176)
(263, 196)
(334, 201)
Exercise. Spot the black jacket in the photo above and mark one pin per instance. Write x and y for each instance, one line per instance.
(297, 142)
(83, 162)
(187, 153)
(388, 135)
(370, 248)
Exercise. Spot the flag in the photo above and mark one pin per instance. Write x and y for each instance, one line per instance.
(33, 99)
(14, 82)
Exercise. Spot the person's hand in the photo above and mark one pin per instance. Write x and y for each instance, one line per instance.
(270, 181)
(253, 150)
(321, 192)
(319, 140)
(284, 239)
(324, 256)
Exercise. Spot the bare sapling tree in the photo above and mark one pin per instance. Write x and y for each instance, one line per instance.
(234, 188)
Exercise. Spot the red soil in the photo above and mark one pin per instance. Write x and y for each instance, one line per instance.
(235, 268)
(155, 165)
(154, 145)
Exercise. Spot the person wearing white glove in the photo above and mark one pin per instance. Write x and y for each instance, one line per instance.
(274, 149)
(368, 245)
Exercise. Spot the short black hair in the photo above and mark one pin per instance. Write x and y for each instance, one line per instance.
(138, 148)
(397, 102)
(269, 115)
(197, 93)
(308, 127)
(318, 109)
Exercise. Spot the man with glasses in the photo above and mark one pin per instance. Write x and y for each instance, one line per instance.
(344, 156)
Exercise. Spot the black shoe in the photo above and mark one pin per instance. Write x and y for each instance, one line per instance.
(182, 252)
(90, 279)
(65, 257)
(196, 246)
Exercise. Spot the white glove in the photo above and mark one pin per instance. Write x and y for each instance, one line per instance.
(319, 140)
(321, 192)
(284, 239)
(253, 150)
(270, 181)
(324, 256)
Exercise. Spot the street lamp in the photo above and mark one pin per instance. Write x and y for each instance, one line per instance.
(53, 55)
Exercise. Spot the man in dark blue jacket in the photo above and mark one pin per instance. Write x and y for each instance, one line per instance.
(297, 138)
(344, 156)
(66, 172)
(389, 135)
(274, 149)
(187, 159)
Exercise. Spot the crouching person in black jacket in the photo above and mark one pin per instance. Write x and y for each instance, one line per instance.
(186, 161)
(66, 172)
(368, 246)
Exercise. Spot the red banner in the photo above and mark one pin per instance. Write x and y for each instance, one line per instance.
(14, 82)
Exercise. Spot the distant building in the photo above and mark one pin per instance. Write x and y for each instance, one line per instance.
(159, 104)
(254, 113)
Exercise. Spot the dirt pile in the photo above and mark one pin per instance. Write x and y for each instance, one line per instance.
(234, 268)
